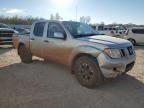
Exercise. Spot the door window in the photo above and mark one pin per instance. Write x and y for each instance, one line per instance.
(39, 29)
(100, 28)
(138, 31)
(55, 30)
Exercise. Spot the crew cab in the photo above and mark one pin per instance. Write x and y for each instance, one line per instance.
(89, 55)
(6, 34)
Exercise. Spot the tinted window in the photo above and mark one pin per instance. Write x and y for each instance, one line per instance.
(138, 31)
(100, 28)
(106, 29)
(54, 28)
(114, 29)
(39, 29)
(94, 27)
(110, 28)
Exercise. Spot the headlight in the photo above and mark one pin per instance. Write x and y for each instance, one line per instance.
(113, 53)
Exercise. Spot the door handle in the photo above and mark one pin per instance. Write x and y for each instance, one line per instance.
(45, 40)
(32, 39)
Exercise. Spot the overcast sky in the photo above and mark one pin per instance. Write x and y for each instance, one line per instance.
(108, 11)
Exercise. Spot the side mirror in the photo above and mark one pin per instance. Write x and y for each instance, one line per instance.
(59, 35)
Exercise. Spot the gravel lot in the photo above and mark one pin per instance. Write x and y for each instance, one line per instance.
(50, 85)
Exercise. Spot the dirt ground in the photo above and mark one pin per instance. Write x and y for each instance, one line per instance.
(50, 85)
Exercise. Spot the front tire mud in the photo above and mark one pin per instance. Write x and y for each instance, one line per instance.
(87, 72)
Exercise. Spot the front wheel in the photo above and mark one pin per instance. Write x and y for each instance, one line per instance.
(87, 72)
(25, 54)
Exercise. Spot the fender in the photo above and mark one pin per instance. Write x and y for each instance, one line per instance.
(85, 50)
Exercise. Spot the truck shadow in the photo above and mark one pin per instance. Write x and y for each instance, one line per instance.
(23, 80)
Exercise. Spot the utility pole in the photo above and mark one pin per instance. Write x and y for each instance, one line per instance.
(76, 9)
(76, 12)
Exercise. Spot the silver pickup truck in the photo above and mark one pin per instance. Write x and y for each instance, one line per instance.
(90, 56)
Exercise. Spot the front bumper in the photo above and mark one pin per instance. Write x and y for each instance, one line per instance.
(111, 68)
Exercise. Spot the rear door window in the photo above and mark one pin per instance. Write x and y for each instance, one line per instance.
(100, 28)
(138, 31)
(114, 29)
(110, 29)
(105, 29)
(39, 29)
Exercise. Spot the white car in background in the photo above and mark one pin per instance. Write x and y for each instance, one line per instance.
(116, 31)
(135, 36)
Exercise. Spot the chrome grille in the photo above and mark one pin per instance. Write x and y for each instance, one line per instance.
(123, 53)
(130, 50)
(127, 51)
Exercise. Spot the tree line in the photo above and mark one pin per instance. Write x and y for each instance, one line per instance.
(28, 20)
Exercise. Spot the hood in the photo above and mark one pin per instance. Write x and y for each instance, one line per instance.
(111, 42)
(7, 29)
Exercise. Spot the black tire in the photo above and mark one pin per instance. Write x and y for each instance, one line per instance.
(87, 72)
(132, 41)
(25, 54)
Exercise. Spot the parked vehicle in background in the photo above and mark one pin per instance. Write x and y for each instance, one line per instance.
(22, 30)
(90, 56)
(135, 36)
(6, 34)
(116, 31)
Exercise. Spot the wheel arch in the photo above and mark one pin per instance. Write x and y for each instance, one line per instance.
(78, 56)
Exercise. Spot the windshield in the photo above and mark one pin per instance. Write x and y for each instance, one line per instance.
(3, 26)
(78, 29)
